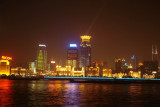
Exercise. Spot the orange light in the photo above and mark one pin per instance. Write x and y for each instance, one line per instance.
(6, 58)
(140, 64)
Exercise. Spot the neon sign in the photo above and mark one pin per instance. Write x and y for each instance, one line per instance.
(73, 45)
(6, 58)
(42, 45)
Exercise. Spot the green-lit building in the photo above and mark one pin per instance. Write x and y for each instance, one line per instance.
(42, 59)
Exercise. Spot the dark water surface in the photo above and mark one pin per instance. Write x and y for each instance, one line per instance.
(22, 93)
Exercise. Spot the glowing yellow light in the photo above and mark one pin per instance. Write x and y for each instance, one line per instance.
(140, 64)
(130, 66)
(131, 71)
(14, 69)
(85, 38)
(7, 62)
(53, 62)
(6, 58)
(117, 60)
(123, 59)
(4, 68)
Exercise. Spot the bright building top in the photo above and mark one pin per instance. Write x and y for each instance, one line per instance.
(42, 45)
(73, 45)
(85, 38)
(6, 58)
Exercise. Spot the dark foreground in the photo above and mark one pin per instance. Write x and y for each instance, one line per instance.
(21, 93)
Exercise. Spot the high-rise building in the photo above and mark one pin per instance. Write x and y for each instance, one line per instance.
(72, 56)
(5, 65)
(85, 51)
(32, 67)
(124, 65)
(133, 63)
(154, 53)
(53, 67)
(42, 59)
(118, 65)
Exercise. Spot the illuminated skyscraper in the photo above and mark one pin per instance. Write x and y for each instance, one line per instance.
(72, 56)
(32, 67)
(154, 53)
(42, 59)
(85, 51)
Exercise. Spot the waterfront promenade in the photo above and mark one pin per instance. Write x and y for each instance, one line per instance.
(104, 79)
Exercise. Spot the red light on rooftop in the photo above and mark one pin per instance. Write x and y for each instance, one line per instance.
(72, 56)
(99, 63)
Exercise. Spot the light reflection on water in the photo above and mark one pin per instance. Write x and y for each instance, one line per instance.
(63, 93)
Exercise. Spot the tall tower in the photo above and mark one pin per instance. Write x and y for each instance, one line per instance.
(133, 62)
(124, 66)
(42, 59)
(85, 51)
(154, 53)
(72, 56)
(118, 65)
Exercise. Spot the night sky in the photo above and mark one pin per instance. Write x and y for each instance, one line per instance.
(119, 28)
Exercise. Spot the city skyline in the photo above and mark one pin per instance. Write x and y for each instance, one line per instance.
(126, 28)
(42, 61)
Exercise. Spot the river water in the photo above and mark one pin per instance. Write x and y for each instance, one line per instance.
(24, 93)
